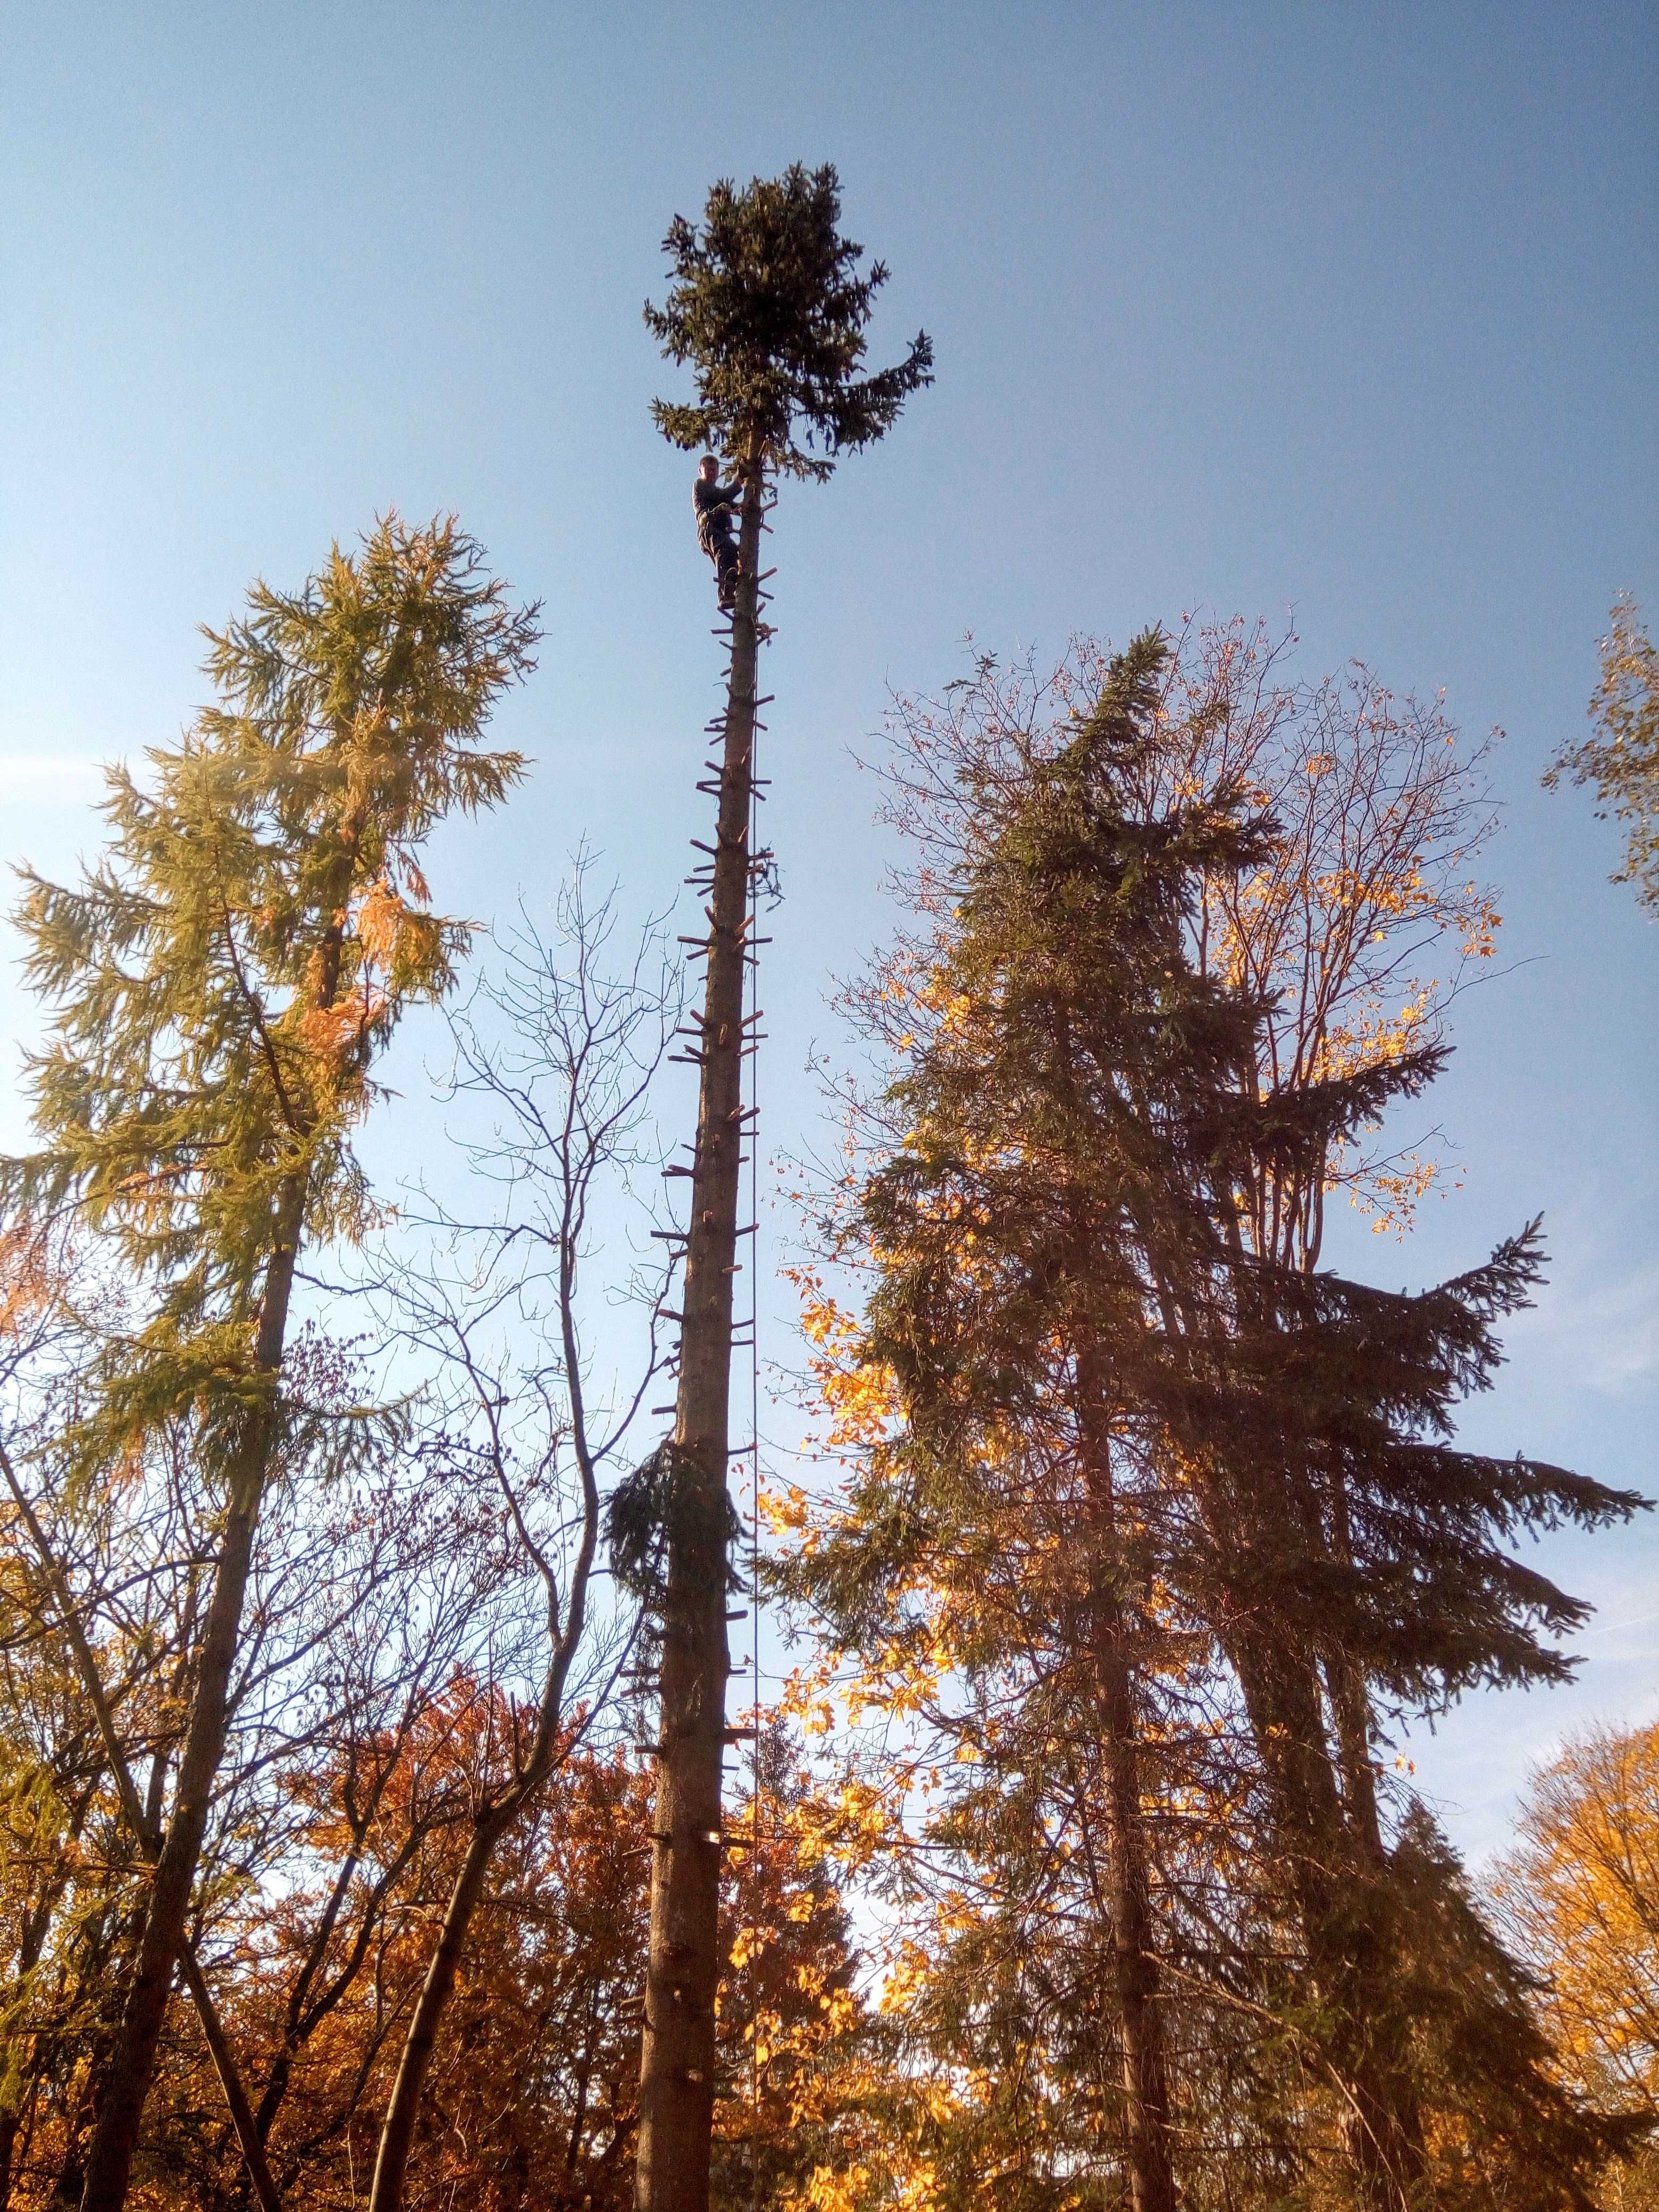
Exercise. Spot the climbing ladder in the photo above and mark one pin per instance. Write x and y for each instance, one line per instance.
(744, 1328)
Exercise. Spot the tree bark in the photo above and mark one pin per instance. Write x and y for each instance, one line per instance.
(676, 2075)
(115, 2139)
(493, 1820)
(397, 2128)
(1350, 1706)
(1340, 1889)
(397, 2134)
(248, 2138)
(251, 2137)
(1140, 2020)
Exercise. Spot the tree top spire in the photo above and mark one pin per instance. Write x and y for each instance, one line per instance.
(769, 307)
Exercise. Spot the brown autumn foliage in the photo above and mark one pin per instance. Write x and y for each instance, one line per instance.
(533, 2089)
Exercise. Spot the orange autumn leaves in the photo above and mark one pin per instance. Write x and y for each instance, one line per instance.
(398, 944)
(1580, 1893)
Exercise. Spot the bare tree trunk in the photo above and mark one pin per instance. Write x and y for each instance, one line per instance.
(676, 2075)
(1350, 1706)
(1341, 1902)
(397, 2133)
(109, 2163)
(230, 2082)
(579, 1153)
(397, 2128)
(1140, 2019)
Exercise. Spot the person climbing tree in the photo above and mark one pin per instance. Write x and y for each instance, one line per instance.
(768, 307)
(714, 501)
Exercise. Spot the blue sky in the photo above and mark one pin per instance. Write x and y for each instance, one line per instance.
(1343, 310)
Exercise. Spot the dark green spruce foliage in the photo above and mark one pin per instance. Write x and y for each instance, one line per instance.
(769, 307)
(1081, 1130)
(1324, 1418)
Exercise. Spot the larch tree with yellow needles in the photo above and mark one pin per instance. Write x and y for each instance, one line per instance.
(222, 981)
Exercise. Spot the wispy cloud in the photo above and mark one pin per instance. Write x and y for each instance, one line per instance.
(1605, 1335)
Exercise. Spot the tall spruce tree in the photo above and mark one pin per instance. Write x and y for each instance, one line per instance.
(1345, 1540)
(224, 982)
(1061, 1119)
(1058, 1240)
(768, 309)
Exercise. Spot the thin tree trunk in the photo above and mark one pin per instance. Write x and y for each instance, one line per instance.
(493, 1822)
(109, 2163)
(677, 2075)
(1350, 1706)
(397, 2128)
(1325, 1811)
(28, 1957)
(1140, 2019)
(303, 2017)
(141, 1820)
(1351, 1710)
(1338, 1893)
(230, 2082)
(397, 2133)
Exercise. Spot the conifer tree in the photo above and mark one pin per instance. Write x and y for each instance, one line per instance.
(1338, 1517)
(1059, 1120)
(223, 980)
(768, 309)
(1057, 1235)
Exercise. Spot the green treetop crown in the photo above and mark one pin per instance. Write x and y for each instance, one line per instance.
(769, 307)
(224, 976)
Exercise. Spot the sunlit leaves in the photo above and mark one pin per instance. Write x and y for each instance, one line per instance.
(1581, 1893)
(222, 980)
(1621, 759)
